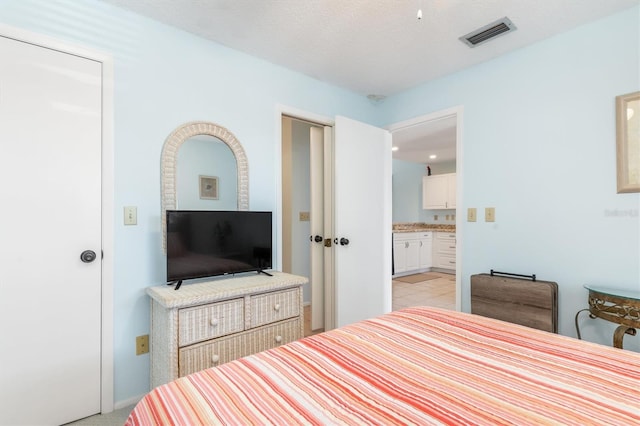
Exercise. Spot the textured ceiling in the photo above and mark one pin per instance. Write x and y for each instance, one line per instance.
(375, 47)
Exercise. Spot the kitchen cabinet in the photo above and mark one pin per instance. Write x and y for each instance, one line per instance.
(439, 191)
(444, 247)
(412, 251)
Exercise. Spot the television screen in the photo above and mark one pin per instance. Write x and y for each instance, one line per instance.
(207, 243)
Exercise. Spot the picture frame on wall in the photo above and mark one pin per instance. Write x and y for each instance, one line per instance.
(209, 187)
(628, 142)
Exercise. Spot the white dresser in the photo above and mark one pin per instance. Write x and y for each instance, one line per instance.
(206, 324)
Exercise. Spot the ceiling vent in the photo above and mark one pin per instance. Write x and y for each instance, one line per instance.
(488, 32)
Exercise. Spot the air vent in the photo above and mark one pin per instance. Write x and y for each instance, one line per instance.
(488, 32)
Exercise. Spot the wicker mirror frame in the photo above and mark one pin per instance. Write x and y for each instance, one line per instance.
(169, 163)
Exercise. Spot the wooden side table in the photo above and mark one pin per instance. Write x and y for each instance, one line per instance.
(614, 305)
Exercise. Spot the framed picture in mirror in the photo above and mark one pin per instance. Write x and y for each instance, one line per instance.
(208, 187)
(628, 142)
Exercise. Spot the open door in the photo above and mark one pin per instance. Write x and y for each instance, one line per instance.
(317, 278)
(350, 169)
(362, 221)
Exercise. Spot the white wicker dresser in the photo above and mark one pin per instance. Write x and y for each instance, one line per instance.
(207, 324)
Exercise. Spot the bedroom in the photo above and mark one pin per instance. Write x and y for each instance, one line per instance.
(539, 145)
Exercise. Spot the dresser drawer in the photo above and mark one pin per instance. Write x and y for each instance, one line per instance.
(274, 335)
(225, 349)
(274, 306)
(210, 321)
(212, 353)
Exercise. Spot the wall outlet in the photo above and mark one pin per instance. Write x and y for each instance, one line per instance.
(490, 214)
(142, 344)
(305, 216)
(471, 214)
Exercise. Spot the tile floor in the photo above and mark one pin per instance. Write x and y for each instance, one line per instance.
(439, 292)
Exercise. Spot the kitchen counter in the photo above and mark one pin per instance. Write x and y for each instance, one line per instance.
(419, 227)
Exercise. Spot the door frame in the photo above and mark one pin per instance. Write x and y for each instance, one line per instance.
(106, 346)
(320, 120)
(458, 112)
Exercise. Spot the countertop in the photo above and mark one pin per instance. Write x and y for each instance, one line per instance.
(419, 227)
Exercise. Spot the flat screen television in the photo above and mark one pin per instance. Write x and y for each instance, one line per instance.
(202, 243)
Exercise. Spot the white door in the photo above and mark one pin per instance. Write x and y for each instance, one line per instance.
(316, 163)
(50, 301)
(362, 221)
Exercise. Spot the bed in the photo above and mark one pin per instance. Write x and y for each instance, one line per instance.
(415, 366)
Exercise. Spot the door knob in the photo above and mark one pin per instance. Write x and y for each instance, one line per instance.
(344, 241)
(317, 239)
(88, 256)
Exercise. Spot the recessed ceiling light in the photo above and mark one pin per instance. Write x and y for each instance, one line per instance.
(395, 148)
(433, 156)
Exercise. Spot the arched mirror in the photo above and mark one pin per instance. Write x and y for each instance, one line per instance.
(203, 167)
(207, 175)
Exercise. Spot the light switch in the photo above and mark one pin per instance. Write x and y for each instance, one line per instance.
(490, 214)
(471, 214)
(304, 216)
(130, 215)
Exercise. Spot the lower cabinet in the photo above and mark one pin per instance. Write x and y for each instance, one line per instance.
(421, 251)
(206, 324)
(444, 245)
(412, 251)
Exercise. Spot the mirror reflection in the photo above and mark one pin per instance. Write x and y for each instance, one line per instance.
(206, 175)
(214, 185)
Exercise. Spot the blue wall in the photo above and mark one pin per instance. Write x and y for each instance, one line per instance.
(206, 156)
(538, 145)
(301, 202)
(407, 193)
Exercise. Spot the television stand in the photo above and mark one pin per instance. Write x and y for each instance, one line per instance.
(210, 323)
(261, 271)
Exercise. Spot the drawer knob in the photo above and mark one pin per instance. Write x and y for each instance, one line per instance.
(276, 307)
(214, 322)
(215, 358)
(278, 339)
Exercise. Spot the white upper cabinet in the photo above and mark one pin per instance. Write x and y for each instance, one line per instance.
(439, 192)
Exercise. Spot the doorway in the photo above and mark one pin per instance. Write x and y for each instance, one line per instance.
(357, 219)
(439, 133)
(302, 166)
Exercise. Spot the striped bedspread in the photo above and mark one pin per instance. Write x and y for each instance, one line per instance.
(416, 366)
